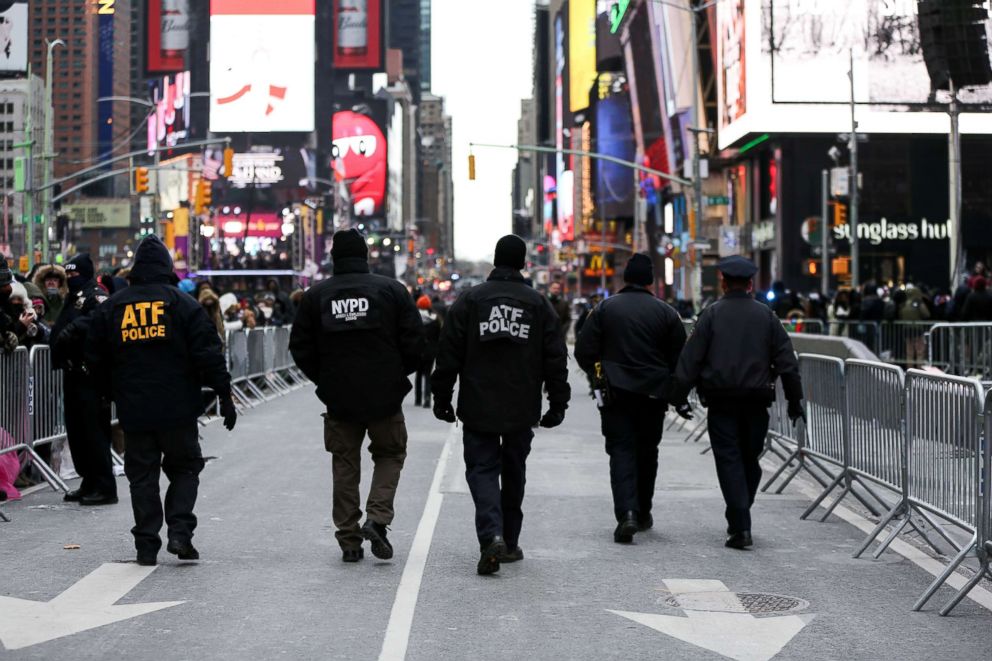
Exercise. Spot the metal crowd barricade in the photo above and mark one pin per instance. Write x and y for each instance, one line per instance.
(46, 406)
(238, 363)
(869, 333)
(786, 441)
(904, 343)
(16, 413)
(944, 456)
(804, 326)
(962, 349)
(271, 349)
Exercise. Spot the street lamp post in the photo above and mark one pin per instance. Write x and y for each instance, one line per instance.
(48, 154)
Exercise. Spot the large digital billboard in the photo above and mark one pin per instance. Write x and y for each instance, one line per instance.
(581, 52)
(167, 33)
(358, 35)
(783, 67)
(359, 156)
(615, 191)
(261, 66)
(170, 122)
(14, 38)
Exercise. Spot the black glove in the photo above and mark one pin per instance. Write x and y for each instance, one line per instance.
(684, 411)
(444, 411)
(8, 341)
(796, 411)
(229, 412)
(554, 417)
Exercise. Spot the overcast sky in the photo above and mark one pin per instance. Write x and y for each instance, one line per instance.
(482, 53)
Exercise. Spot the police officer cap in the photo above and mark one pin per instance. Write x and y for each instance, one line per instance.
(737, 267)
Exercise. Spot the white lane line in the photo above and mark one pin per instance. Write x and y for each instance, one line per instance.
(934, 567)
(401, 618)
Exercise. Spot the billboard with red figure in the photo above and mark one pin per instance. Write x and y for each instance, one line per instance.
(358, 35)
(259, 84)
(359, 157)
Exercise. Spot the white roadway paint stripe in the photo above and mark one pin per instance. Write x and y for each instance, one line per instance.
(394, 645)
(934, 567)
(710, 595)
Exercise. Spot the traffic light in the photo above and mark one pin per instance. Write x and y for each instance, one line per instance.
(228, 162)
(811, 267)
(840, 214)
(204, 197)
(471, 167)
(141, 180)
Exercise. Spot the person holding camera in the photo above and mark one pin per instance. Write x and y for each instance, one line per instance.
(635, 338)
(737, 350)
(28, 325)
(152, 348)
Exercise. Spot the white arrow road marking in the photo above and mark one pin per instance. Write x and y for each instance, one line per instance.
(86, 605)
(727, 629)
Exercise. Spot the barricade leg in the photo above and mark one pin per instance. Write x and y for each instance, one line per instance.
(900, 508)
(984, 572)
(816, 503)
(891, 538)
(940, 580)
(787, 462)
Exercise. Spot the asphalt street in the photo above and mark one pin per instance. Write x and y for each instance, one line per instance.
(271, 583)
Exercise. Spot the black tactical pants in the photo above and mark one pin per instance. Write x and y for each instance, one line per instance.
(632, 425)
(738, 438)
(177, 452)
(496, 471)
(87, 426)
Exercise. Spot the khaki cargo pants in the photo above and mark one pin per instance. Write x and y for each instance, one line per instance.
(388, 448)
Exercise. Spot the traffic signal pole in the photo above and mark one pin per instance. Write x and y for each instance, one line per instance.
(824, 237)
(854, 192)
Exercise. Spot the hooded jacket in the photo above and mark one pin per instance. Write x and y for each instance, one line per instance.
(53, 302)
(502, 342)
(358, 336)
(152, 348)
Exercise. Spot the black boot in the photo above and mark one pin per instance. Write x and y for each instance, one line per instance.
(739, 540)
(352, 555)
(624, 534)
(515, 554)
(184, 550)
(376, 533)
(645, 522)
(491, 554)
(73, 496)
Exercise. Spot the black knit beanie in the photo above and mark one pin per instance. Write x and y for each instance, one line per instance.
(639, 271)
(349, 243)
(511, 251)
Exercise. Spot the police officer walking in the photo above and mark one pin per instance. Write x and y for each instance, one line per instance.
(635, 339)
(736, 351)
(153, 348)
(87, 413)
(501, 340)
(358, 336)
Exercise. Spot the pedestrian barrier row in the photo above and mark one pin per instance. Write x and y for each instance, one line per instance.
(914, 449)
(32, 411)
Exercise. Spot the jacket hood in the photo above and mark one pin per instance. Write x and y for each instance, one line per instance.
(208, 297)
(152, 262)
(33, 290)
(48, 271)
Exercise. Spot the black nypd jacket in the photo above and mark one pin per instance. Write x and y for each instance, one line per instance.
(637, 338)
(153, 347)
(358, 336)
(736, 351)
(69, 332)
(501, 341)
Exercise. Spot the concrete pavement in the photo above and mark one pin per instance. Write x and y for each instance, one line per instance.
(271, 583)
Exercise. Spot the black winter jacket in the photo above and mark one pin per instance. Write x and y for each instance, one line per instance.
(501, 341)
(358, 336)
(736, 351)
(152, 348)
(637, 338)
(69, 332)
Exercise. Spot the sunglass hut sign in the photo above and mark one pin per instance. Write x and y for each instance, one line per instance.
(886, 230)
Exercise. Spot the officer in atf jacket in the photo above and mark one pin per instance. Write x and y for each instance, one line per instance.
(501, 341)
(736, 351)
(636, 339)
(87, 413)
(358, 336)
(153, 348)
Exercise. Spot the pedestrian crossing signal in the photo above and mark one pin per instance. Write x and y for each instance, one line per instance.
(471, 167)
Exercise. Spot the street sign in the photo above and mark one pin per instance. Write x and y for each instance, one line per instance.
(20, 174)
(717, 200)
(840, 182)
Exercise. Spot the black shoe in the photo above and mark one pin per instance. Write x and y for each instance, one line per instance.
(94, 499)
(490, 558)
(74, 496)
(352, 555)
(427, 405)
(147, 560)
(624, 534)
(376, 534)
(739, 540)
(184, 550)
(645, 522)
(516, 554)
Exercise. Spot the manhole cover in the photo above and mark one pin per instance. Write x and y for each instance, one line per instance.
(755, 603)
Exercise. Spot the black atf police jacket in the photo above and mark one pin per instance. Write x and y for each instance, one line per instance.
(736, 351)
(358, 336)
(501, 341)
(153, 347)
(637, 338)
